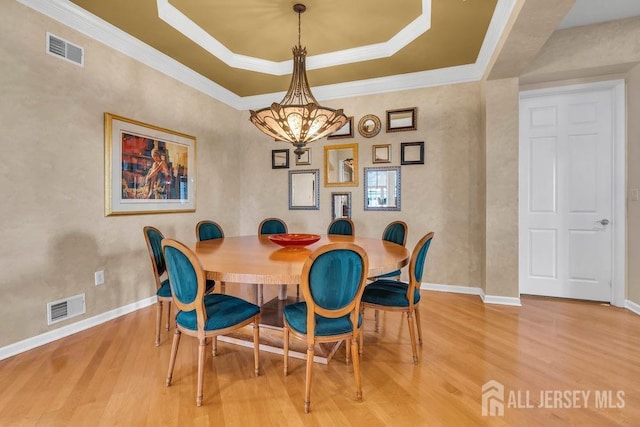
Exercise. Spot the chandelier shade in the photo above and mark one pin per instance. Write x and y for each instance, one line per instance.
(298, 118)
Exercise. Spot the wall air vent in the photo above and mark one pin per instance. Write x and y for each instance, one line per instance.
(63, 49)
(63, 309)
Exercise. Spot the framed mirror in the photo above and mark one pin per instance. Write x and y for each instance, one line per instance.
(401, 120)
(341, 165)
(279, 159)
(345, 131)
(340, 205)
(382, 188)
(304, 189)
(369, 126)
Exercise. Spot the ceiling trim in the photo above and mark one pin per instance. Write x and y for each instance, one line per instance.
(88, 24)
(183, 24)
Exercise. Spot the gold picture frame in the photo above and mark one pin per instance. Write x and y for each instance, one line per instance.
(148, 169)
(341, 165)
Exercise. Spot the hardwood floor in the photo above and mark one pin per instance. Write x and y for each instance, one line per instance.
(557, 350)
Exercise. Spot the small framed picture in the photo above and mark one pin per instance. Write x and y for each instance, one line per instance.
(381, 153)
(412, 153)
(305, 158)
(345, 131)
(279, 159)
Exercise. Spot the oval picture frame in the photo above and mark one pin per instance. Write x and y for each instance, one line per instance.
(369, 126)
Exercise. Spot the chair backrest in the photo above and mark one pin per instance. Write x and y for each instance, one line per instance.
(208, 230)
(154, 237)
(332, 282)
(186, 278)
(342, 226)
(416, 264)
(272, 226)
(396, 232)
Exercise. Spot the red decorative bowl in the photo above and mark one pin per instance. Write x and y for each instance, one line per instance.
(294, 239)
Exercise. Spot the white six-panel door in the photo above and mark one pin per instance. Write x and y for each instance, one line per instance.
(566, 145)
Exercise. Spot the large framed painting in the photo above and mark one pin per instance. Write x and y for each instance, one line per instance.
(148, 169)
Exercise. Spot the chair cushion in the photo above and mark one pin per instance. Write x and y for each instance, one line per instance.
(222, 311)
(390, 293)
(296, 316)
(165, 289)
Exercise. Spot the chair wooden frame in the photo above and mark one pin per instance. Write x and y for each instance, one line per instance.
(157, 274)
(412, 308)
(353, 309)
(201, 334)
(349, 220)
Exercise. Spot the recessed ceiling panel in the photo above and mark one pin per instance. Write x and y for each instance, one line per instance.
(268, 29)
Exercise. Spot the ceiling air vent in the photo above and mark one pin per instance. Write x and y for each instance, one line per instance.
(63, 309)
(63, 49)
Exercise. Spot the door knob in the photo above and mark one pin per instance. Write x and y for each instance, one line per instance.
(604, 221)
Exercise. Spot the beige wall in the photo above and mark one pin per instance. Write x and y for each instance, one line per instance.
(633, 182)
(54, 232)
(587, 51)
(501, 245)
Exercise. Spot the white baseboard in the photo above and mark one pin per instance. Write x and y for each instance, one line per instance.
(65, 331)
(470, 290)
(632, 306)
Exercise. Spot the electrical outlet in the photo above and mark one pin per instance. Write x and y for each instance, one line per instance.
(99, 276)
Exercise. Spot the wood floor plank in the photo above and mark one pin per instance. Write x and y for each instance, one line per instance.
(114, 375)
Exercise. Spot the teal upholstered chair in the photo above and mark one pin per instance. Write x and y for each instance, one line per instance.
(342, 226)
(332, 281)
(154, 237)
(393, 295)
(208, 230)
(272, 226)
(203, 315)
(394, 232)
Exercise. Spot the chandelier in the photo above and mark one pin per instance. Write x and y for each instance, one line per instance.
(298, 118)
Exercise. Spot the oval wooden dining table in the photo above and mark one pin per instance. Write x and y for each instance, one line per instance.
(257, 260)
